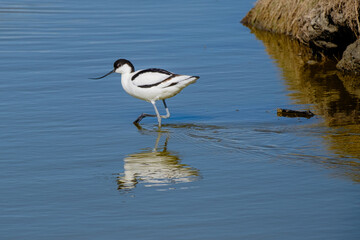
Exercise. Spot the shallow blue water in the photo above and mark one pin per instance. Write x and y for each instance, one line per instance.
(224, 165)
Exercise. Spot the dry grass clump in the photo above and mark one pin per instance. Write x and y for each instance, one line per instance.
(290, 16)
(280, 16)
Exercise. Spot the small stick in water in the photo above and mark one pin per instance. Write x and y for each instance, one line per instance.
(294, 113)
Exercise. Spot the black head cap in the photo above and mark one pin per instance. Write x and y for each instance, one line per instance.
(118, 63)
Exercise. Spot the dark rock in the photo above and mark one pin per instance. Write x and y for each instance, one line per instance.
(325, 30)
(350, 61)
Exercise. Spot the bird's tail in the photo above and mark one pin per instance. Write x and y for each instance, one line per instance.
(182, 81)
(191, 79)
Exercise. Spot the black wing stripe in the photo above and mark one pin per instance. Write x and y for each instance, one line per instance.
(175, 83)
(150, 70)
(158, 83)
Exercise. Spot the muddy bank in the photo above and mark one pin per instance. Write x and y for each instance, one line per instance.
(328, 27)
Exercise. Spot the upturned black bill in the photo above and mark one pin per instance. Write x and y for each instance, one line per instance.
(104, 75)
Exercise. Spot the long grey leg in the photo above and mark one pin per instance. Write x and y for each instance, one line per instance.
(157, 114)
(167, 110)
(143, 115)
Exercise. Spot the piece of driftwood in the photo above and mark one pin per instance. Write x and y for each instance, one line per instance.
(294, 113)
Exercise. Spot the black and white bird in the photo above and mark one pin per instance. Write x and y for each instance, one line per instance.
(150, 85)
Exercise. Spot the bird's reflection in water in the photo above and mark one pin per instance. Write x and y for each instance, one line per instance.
(155, 167)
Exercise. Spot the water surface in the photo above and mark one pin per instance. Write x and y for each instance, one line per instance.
(224, 166)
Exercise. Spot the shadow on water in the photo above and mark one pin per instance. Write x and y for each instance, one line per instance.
(314, 81)
(155, 166)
